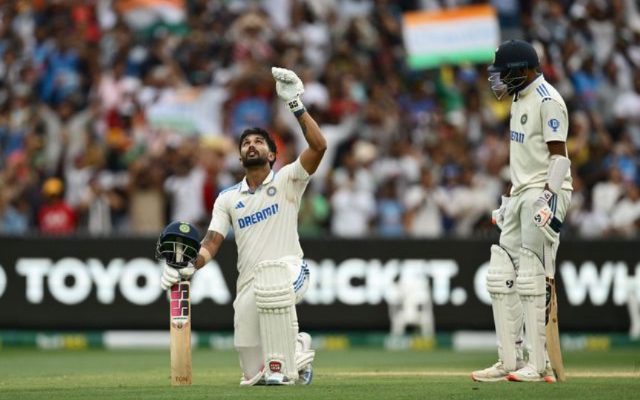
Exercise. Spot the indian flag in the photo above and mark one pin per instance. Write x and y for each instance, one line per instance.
(451, 36)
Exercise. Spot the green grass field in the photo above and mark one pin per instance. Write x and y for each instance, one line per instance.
(353, 374)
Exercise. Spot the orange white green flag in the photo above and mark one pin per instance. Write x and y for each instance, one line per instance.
(467, 34)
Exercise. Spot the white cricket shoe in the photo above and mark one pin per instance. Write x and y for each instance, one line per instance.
(305, 375)
(529, 374)
(277, 378)
(304, 354)
(494, 373)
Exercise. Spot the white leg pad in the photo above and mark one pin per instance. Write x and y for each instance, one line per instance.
(506, 305)
(275, 300)
(531, 287)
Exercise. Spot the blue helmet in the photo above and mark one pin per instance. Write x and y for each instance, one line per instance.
(178, 244)
(507, 73)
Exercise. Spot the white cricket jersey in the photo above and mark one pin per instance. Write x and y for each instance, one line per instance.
(538, 116)
(265, 222)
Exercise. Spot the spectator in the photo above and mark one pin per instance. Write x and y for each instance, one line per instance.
(55, 217)
(314, 214)
(12, 220)
(389, 211)
(91, 89)
(185, 185)
(353, 209)
(606, 194)
(147, 202)
(625, 216)
(423, 216)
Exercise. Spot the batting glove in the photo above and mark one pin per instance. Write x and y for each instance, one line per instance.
(542, 213)
(289, 88)
(497, 216)
(171, 276)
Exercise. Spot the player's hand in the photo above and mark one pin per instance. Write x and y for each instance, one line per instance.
(542, 213)
(289, 88)
(171, 276)
(497, 215)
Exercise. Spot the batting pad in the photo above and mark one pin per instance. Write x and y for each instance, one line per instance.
(275, 299)
(532, 289)
(506, 305)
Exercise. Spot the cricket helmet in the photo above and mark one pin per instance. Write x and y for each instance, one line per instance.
(178, 244)
(507, 74)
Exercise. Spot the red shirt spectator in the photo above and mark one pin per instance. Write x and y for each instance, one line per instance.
(55, 217)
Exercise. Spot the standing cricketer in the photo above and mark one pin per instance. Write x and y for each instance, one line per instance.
(263, 210)
(529, 216)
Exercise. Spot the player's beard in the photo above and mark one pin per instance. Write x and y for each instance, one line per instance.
(257, 161)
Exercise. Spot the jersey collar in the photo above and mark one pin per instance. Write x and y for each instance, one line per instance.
(531, 86)
(244, 187)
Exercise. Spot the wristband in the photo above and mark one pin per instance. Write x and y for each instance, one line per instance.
(296, 106)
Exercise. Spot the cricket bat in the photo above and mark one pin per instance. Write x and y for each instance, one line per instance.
(553, 334)
(180, 328)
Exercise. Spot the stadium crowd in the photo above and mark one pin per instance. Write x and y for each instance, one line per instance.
(117, 116)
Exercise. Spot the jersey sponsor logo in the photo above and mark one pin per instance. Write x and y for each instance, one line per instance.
(523, 119)
(258, 216)
(517, 137)
(554, 124)
(271, 191)
(239, 205)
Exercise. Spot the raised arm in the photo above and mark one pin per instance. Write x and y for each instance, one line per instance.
(289, 88)
(312, 155)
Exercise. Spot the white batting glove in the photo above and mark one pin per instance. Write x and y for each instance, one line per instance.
(497, 216)
(542, 213)
(289, 88)
(171, 276)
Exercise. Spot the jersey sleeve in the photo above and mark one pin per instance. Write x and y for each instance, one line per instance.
(555, 124)
(295, 177)
(220, 217)
(295, 171)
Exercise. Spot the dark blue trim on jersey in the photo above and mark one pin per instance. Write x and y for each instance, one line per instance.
(555, 224)
(229, 188)
(302, 277)
(545, 90)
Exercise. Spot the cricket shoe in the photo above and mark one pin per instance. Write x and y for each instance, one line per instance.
(304, 358)
(277, 379)
(305, 375)
(494, 373)
(529, 374)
